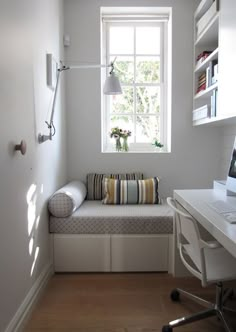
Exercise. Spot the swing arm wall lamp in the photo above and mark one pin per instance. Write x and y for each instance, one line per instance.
(111, 87)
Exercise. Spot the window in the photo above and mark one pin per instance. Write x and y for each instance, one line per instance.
(140, 49)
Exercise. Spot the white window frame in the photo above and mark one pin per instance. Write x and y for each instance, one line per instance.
(107, 146)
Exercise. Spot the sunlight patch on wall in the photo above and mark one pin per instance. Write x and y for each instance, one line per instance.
(31, 244)
(37, 222)
(31, 201)
(33, 222)
(35, 260)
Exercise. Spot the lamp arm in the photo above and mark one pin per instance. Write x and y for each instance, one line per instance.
(51, 127)
(87, 66)
(54, 97)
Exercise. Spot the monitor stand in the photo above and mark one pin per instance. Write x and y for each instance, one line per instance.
(230, 193)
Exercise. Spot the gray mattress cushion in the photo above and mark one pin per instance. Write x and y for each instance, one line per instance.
(93, 217)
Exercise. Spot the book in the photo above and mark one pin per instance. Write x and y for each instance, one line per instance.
(208, 76)
(202, 75)
(201, 82)
(215, 69)
(210, 73)
(201, 113)
(201, 88)
(215, 73)
(214, 100)
(202, 56)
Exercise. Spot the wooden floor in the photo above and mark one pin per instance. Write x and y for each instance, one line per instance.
(135, 302)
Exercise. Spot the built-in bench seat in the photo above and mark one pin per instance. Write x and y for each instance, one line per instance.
(113, 238)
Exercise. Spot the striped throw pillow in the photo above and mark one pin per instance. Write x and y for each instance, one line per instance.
(95, 183)
(131, 191)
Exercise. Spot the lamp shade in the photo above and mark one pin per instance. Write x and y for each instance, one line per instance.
(112, 85)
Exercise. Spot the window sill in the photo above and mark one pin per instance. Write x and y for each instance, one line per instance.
(135, 148)
(133, 152)
(155, 151)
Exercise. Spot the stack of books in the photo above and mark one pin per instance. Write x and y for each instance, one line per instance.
(201, 113)
(202, 56)
(201, 82)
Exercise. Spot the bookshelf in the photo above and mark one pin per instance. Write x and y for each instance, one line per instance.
(215, 33)
(206, 51)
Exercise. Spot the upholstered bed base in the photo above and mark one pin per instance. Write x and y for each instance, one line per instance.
(93, 217)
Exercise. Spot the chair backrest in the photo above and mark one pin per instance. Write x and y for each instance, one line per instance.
(189, 241)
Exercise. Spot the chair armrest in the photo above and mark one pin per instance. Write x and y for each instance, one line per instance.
(171, 203)
(210, 244)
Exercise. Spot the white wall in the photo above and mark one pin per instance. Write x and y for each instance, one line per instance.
(194, 160)
(29, 29)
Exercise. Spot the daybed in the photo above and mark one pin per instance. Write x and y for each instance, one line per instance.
(90, 236)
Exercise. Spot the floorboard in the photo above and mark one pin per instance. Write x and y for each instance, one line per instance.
(129, 302)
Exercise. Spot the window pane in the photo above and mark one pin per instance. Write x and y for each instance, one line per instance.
(147, 69)
(124, 68)
(124, 122)
(147, 128)
(123, 103)
(148, 99)
(121, 40)
(148, 40)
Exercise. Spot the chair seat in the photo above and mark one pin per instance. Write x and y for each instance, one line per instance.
(220, 264)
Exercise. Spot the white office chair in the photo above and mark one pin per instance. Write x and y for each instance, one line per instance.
(208, 261)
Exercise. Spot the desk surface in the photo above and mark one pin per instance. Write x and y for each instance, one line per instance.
(196, 203)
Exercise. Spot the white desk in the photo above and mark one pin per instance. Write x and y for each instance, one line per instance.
(196, 203)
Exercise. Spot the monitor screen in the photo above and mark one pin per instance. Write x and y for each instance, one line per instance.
(231, 178)
(232, 168)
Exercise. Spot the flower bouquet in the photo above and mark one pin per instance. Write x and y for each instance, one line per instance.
(118, 133)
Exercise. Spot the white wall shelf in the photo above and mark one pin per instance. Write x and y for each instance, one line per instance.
(216, 121)
(209, 36)
(202, 8)
(207, 92)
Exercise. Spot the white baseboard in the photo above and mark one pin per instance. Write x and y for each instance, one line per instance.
(20, 317)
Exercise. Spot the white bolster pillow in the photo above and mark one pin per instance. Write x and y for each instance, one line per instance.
(67, 199)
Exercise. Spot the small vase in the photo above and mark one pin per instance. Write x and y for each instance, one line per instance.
(125, 146)
(118, 144)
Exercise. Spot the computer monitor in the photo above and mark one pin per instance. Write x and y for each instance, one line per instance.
(231, 178)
